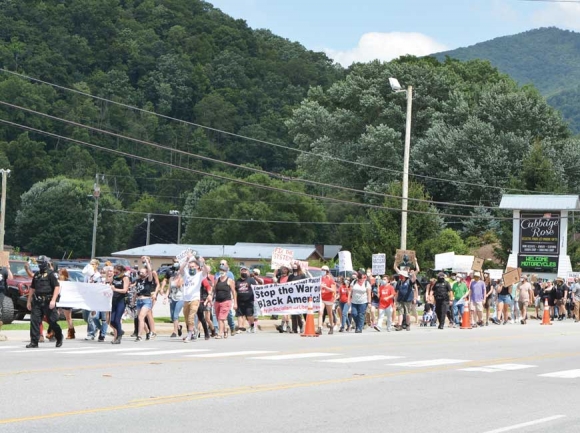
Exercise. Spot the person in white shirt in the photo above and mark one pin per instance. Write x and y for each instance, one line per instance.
(193, 272)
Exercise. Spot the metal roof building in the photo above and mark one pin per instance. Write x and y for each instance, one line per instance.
(540, 202)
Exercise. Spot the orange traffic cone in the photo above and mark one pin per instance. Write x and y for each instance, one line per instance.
(309, 331)
(546, 317)
(466, 318)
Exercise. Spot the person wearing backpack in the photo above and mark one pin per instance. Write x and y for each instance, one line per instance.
(405, 297)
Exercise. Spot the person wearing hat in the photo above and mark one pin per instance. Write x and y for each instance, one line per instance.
(477, 296)
(328, 296)
(460, 295)
(405, 297)
(560, 296)
(443, 298)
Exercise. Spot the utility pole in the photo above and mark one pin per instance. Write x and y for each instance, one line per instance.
(178, 214)
(5, 174)
(406, 169)
(149, 220)
(96, 195)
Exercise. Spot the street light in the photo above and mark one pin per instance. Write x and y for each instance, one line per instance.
(149, 220)
(178, 214)
(396, 86)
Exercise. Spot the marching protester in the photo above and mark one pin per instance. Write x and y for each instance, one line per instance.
(193, 272)
(476, 297)
(525, 295)
(257, 313)
(460, 295)
(42, 297)
(406, 295)
(359, 300)
(386, 301)
(443, 298)
(67, 312)
(297, 322)
(224, 299)
(230, 317)
(282, 276)
(560, 296)
(328, 295)
(245, 299)
(120, 286)
(144, 289)
(174, 281)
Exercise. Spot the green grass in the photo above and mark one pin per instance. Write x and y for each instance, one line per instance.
(26, 326)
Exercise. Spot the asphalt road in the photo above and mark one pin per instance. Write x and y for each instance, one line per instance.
(494, 379)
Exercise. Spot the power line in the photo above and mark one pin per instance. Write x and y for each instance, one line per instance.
(243, 182)
(231, 164)
(305, 152)
(241, 220)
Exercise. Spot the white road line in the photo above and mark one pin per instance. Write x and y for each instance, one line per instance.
(295, 356)
(359, 359)
(53, 349)
(130, 349)
(9, 347)
(526, 424)
(566, 374)
(164, 352)
(430, 363)
(230, 354)
(499, 367)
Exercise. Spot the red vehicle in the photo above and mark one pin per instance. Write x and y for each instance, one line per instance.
(14, 307)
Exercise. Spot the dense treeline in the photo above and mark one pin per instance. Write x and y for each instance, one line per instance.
(184, 59)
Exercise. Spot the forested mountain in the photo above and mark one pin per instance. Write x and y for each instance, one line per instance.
(275, 144)
(548, 58)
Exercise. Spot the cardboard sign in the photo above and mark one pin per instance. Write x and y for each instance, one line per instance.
(4, 257)
(405, 259)
(477, 264)
(512, 277)
(282, 257)
(379, 264)
(344, 261)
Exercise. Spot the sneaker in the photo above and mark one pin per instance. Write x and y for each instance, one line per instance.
(101, 338)
(341, 329)
(152, 336)
(32, 346)
(408, 327)
(173, 335)
(238, 332)
(331, 331)
(91, 337)
(133, 335)
(187, 339)
(138, 339)
(179, 330)
(388, 329)
(377, 328)
(147, 336)
(253, 330)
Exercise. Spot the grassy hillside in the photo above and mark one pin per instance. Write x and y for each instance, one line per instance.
(548, 58)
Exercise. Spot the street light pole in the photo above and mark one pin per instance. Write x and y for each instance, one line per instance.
(149, 219)
(5, 174)
(405, 197)
(96, 195)
(178, 214)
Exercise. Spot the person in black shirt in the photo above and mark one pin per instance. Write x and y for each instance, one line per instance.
(245, 298)
(120, 287)
(5, 274)
(42, 296)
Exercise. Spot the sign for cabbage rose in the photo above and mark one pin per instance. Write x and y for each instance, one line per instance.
(540, 233)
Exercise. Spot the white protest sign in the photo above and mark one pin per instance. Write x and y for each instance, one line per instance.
(345, 261)
(85, 296)
(462, 264)
(495, 274)
(303, 265)
(282, 257)
(573, 275)
(184, 254)
(444, 261)
(379, 264)
(288, 298)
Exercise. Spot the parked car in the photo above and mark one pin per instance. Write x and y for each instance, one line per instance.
(115, 261)
(14, 306)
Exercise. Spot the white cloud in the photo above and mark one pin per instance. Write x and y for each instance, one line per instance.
(386, 46)
(566, 15)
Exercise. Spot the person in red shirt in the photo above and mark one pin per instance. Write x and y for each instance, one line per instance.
(328, 295)
(386, 301)
(343, 294)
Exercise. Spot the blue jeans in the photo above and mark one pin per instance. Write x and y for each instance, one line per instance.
(231, 323)
(344, 309)
(117, 310)
(175, 308)
(358, 312)
(93, 322)
(458, 311)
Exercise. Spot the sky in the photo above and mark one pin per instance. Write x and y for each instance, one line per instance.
(364, 30)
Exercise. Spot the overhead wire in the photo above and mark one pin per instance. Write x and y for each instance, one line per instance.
(231, 164)
(293, 149)
(241, 181)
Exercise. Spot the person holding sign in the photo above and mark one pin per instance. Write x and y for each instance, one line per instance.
(193, 272)
(328, 295)
(297, 274)
(145, 287)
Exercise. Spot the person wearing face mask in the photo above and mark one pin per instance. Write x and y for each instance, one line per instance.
(359, 300)
(443, 298)
(460, 294)
(193, 272)
(120, 287)
(405, 297)
(245, 299)
(225, 293)
(173, 280)
(145, 287)
(328, 295)
(297, 322)
(477, 296)
(230, 317)
(282, 276)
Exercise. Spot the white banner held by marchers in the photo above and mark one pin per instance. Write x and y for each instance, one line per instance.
(85, 296)
(344, 261)
(444, 261)
(282, 257)
(379, 264)
(495, 274)
(462, 264)
(288, 298)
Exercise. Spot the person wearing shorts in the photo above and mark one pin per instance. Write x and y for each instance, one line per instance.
(504, 300)
(477, 296)
(328, 296)
(224, 294)
(245, 298)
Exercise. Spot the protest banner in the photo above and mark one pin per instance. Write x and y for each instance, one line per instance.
(4, 257)
(287, 298)
(282, 257)
(85, 296)
(405, 259)
(184, 254)
(444, 261)
(344, 261)
(379, 264)
(572, 276)
(462, 264)
(477, 264)
(495, 274)
(303, 265)
(512, 277)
